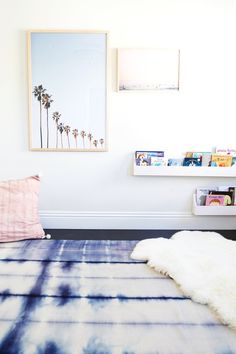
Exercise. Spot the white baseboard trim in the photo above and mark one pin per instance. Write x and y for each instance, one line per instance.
(133, 220)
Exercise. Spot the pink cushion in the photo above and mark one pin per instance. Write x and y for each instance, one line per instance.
(19, 218)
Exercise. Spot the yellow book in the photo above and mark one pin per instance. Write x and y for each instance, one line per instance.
(189, 154)
(221, 160)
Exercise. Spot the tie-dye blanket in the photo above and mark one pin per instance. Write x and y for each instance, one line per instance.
(89, 297)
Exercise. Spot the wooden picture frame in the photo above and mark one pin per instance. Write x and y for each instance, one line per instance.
(67, 81)
(147, 69)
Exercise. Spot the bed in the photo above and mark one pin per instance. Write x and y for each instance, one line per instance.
(90, 297)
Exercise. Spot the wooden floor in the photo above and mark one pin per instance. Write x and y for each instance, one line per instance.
(76, 234)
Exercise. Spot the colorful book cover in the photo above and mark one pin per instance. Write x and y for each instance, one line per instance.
(143, 161)
(221, 160)
(148, 158)
(200, 153)
(189, 154)
(215, 200)
(226, 151)
(175, 162)
(234, 161)
(227, 188)
(157, 161)
(192, 161)
(205, 157)
(149, 153)
(229, 196)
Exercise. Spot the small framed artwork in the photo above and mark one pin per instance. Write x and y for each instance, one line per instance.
(148, 69)
(67, 90)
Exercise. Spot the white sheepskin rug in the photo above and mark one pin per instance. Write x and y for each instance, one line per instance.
(202, 263)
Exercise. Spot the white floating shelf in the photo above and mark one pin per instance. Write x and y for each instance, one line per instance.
(187, 171)
(212, 210)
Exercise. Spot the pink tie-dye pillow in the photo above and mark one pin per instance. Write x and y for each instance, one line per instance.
(19, 219)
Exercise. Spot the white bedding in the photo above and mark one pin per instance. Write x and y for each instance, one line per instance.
(202, 263)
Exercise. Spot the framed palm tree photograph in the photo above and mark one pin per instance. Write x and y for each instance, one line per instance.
(67, 74)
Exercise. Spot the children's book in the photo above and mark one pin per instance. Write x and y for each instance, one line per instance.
(148, 158)
(215, 200)
(192, 161)
(232, 189)
(199, 153)
(149, 153)
(175, 162)
(205, 157)
(201, 194)
(229, 197)
(234, 161)
(221, 160)
(189, 154)
(157, 161)
(228, 188)
(143, 161)
(226, 151)
(228, 191)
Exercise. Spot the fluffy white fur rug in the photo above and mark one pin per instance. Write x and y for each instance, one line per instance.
(202, 263)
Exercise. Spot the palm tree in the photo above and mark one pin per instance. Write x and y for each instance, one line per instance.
(46, 101)
(38, 92)
(90, 137)
(101, 142)
(75, 132)
(56, 117)
(95, 143)
(67, 130)
(83, 134)
(60, 127)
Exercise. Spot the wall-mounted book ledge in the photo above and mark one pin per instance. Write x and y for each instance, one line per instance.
(212, 210)
(184, 171)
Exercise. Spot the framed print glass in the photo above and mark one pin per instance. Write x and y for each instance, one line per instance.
(67, 90)
(148, 69)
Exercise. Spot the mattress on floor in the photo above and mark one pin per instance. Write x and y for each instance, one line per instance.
(89, 297)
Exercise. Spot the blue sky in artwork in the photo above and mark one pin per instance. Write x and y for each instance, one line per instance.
(72, 67)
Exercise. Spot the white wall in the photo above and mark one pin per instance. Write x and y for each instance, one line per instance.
(97, 189)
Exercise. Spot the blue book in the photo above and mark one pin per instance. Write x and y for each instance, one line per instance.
(192, 161)
(175, 162)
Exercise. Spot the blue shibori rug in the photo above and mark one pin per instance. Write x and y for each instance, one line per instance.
(89, 297)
